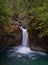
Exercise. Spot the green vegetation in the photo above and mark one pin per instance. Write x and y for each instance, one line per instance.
(4, 16)
(39, 19)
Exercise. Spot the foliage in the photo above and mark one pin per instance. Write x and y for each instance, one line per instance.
(36, 12)
(4, 14)
(39, 18)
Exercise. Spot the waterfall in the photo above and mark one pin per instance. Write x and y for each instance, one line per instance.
(24, 47)
(24, 37)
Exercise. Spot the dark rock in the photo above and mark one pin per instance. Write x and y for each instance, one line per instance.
(36, 43)
(10, 36)
(15, 37)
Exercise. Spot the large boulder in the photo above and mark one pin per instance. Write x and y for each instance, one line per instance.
(37, 43)
(10, 36)
(15, 36)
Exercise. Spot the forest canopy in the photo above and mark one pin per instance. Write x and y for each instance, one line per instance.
(36, 11)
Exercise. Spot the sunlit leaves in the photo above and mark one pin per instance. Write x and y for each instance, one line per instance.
(4, 15)
(39, 20)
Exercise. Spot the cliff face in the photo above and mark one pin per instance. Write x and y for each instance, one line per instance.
(10, 36)
(37, 43)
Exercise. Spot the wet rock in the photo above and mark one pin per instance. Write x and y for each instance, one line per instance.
(10, 36)
(36, 43)
(15, 36)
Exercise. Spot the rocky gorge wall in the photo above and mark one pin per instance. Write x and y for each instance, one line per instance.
(10, 36)
(37, 43)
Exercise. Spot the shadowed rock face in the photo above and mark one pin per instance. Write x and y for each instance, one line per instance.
(15, 36)
(36, 43)
(10, 36)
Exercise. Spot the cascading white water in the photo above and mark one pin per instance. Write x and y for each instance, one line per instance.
(24, 48)
(24, 37)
